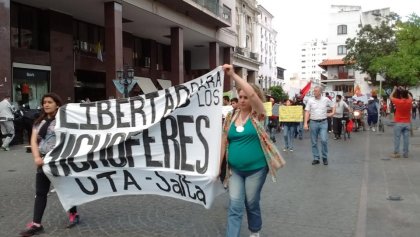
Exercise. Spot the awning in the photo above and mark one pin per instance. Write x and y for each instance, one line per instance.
(164, 83)
(331, 62)
(146, 84)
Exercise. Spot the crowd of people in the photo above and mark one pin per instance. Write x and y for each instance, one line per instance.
(244, 161)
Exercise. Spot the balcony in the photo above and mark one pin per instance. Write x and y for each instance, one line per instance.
(206, 12)
(340, 77)
(253, 56)
(239, 50)
(343, 75)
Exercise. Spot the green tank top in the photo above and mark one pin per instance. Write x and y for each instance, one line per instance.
(244, 151)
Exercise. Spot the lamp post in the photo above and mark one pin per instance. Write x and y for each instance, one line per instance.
(125, 78)
(379, 78)
(260, 81)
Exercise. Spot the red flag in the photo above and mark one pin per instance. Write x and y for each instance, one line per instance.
(305, 90)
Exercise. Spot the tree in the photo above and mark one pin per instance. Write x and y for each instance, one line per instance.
(403, 66)
(372, 43)
(277, 93)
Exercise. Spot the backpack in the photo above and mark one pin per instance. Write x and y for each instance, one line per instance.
(371, 108)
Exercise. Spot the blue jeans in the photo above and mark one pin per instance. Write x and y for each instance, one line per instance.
(300, 130)
(404, 129)
(245, 191)
(289, 135)
(319, 129)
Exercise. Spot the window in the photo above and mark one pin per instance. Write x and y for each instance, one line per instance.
(342, 69)
(341, 50)
(227, 13)
(86, 37)
(342, 30)
(142, 52)
(344, 88)
(29, 28)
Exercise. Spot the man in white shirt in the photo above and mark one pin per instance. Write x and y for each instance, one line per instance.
(316, 111)
(340, 105)
(6, 122)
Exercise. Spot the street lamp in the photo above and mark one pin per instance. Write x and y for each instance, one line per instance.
(125, 78)
(260, 81)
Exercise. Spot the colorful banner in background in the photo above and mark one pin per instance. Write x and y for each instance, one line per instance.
(165, 143)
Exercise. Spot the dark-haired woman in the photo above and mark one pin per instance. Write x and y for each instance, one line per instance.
(42, 141)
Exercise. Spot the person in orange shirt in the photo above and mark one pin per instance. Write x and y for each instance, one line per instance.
(402, 101)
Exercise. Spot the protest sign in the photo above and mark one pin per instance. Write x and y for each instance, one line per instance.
(165, 143)
(268, 108)
(291, 113)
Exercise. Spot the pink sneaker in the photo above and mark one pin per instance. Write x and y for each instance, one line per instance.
(73, 219)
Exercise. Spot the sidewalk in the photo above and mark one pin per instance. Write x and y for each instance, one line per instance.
(388, 179)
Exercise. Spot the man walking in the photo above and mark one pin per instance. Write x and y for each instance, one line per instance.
(402, 101)
(299, 101)
(6, 122)
(414, 109)
(316, 111)
(338, 116)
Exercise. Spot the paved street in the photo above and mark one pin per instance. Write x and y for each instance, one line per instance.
(344, 199)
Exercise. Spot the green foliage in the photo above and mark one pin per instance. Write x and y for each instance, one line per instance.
(371, 43)
(392, 48)
(278, 94)
(403, 66)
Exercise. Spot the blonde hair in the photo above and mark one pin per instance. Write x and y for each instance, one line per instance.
(257, 91)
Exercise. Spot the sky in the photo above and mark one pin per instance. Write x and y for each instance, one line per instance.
(299, 21)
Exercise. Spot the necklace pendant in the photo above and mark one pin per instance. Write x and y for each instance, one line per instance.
(240, 128)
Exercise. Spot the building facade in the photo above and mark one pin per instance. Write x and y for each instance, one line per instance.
(344, 24)
(312, 54)
(267, 45)
(74, 48)
(245, 56)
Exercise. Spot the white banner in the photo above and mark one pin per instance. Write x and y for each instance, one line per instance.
(165, 143)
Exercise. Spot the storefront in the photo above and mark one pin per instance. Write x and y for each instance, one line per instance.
(30, 83)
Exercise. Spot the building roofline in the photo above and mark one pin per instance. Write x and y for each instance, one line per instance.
(265, 10)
